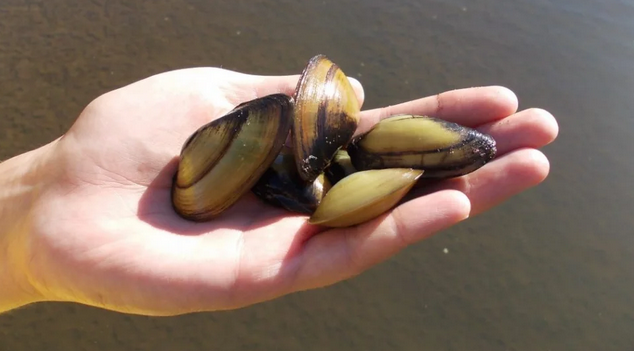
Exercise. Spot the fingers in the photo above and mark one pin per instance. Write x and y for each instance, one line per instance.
(497, 181)
(518, 165)
(266, 85)
(342, 253)
(470, 107)
(532, 128)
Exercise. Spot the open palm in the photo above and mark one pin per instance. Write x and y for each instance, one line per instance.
(106, 234)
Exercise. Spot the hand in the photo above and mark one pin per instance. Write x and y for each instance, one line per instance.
(102, 231)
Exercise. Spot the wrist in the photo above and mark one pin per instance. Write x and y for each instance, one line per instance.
(22, 180)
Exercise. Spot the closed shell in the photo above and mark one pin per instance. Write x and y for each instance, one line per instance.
(442, 149)
(223, 159)
(326, 116)
(363, 196)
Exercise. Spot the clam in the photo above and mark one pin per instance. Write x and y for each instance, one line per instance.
(364, 195)
(222, 160)
(282, 186)
(442, 149)
(326, 116)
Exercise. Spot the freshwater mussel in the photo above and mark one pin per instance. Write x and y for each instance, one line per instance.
(338, 180)
(223, 159)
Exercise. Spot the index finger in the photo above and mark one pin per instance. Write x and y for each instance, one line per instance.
(470, 107)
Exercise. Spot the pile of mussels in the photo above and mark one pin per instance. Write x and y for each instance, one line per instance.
(338, 180)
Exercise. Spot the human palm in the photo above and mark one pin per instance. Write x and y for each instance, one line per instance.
(106, 234)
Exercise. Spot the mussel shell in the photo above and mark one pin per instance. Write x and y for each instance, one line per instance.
(363, 196)
(282, 186)
(340, 167)
(223, 159)
(442, 149)
(326, 116)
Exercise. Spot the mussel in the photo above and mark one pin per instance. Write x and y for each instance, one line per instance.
(364, 195)
(337, 180)
(222, 160)
(282, 186)
(326, 116)
(442, 149)
(340, 167)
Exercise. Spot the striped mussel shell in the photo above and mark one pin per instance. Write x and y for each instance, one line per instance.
(222, 160)
(442, 149)
(325, 118)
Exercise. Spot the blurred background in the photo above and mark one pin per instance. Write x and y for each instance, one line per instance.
(549, 270)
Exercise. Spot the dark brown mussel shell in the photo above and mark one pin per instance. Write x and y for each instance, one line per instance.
(282, 186)
(340, 167)
(326, 116)
(222, 160)
(442, 149)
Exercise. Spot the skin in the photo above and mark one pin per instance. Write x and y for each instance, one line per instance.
(87, 218)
